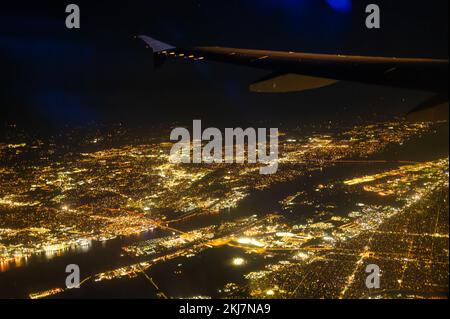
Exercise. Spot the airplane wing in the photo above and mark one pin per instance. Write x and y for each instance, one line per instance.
(295, 71)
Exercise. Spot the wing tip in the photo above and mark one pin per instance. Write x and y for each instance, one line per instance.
(155, 45)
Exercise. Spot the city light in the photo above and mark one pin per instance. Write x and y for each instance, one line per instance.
(238, 261)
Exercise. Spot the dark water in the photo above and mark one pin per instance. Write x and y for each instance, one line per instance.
(211, 269)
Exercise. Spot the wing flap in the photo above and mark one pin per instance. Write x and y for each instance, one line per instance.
(432, 110)
(285, 83)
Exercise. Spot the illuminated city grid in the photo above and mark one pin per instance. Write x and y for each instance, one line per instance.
(398, 220)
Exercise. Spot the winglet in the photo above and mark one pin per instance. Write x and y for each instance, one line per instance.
(155, 45)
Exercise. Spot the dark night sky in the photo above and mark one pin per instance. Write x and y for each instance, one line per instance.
(51, 75)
